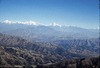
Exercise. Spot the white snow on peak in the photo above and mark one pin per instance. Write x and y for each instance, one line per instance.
(19, 22)
(55, 24)
(30, 23)
(7, 22)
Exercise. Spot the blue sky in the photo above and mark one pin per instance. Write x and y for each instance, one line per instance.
(81, 13)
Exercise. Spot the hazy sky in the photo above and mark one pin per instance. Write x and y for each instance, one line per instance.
(81, 13)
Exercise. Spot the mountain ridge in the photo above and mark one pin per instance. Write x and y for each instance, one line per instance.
(48, 33)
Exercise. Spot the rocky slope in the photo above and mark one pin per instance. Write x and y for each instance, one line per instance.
(50, 52)
(14, 57)
(89, 47)
(75, 63)
(15, 51)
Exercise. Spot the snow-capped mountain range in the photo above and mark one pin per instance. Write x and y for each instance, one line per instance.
(30, 23)
(36, 31)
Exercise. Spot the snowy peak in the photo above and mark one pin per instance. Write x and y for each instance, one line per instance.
(19, 22)
(7, 22)
(55, 24)
(30, 23)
